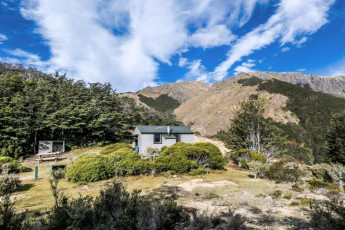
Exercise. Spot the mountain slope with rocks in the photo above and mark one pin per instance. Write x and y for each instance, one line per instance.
(334, 85)
(181, 91)
(211, 111)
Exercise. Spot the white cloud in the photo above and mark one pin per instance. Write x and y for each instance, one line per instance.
(182, 62)
(211, 37)
(284, 49)
(81, 37)
(3, 38)
(333, 69)
(301, 41)
(245, 67)
(292, 19)
(301, 70)
(124, 41)
(196, 70)
(27, 59)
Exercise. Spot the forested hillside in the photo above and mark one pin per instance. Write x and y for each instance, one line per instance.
(36, 106)
(313, 109)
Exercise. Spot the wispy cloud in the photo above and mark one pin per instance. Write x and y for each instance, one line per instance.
(3, 38)
(81, 37)
(125, 41)
(27, 59)
(245, 67)
(196, 70)
(334, 69)
(290, 21)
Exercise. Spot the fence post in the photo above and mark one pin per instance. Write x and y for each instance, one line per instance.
(36, 172)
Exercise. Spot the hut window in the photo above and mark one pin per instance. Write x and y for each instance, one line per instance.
(157, 138)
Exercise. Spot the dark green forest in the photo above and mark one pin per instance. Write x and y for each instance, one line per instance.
(163, 103)
(313, 109)
(36, 106)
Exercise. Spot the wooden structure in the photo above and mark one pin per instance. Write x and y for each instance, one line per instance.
(50, 150)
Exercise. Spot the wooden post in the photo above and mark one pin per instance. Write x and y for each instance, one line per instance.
(36, 172)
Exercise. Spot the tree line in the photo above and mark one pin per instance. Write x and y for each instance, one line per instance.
(36, 106)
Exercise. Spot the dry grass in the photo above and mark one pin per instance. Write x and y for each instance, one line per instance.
(234, 189)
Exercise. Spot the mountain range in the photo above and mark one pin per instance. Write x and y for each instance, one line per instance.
(208, 108)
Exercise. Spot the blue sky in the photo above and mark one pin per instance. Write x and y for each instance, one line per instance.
(136, 43)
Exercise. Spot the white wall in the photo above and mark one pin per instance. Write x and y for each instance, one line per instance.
(146, 140)
(187, 138)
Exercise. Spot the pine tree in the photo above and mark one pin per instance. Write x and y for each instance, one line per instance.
(336, 138)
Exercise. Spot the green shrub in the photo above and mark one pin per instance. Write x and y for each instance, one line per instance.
(114, 147)
(181, 164)
(91, 168)
(14, 166)
(315, 184)
(198, 171)
(283, 171)
(297, 188)
(328, 215)
(184, 157)
(173, 148)
(287, 196)
(9, 184)
(276, 194)
(211, 196)
(243, 164)
(161, 164)
(320, 171)
(307, 202)
(248, 155)
(216, 159)
(129, 162)
(294, 203)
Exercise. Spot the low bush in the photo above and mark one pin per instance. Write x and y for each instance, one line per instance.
(198, 171)
(211, 196)
(243, 164)
(116, 208)
(284, 171)
(297, 188)
(173, 148)
(276, 194)
(328, 215)
(91, 168)
(9, 184)
(185, 158)
(294, 203)
(287, 196)
(216, 159)
(320, 171)
(129, 162)
(114, 147)
(307, 202)
(258, 168)
(13, 166)
(247, 155)
(315, 184)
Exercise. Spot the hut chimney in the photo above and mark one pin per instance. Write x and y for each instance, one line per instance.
(168, 129)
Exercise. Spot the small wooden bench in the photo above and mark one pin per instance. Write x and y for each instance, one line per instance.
(49, 156)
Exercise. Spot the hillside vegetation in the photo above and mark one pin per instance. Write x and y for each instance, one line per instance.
(314, 110)
(36, 106)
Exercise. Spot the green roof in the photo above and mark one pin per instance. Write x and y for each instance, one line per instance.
(163, 129)
(171, 136)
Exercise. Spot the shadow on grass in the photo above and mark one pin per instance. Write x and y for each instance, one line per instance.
(25, 187)
(166, 191)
